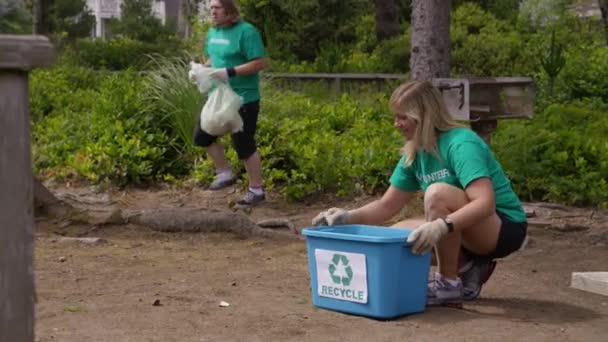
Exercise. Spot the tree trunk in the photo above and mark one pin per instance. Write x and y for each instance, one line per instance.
(430, 55)
(387, 20)
(42, 17)
(604, 10)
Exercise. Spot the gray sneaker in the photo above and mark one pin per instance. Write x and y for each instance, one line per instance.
(250, 199)
(441, 292)
(474, 278)
(219, 183)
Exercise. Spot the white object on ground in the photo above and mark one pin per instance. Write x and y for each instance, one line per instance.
(595, 282)
(224, 304)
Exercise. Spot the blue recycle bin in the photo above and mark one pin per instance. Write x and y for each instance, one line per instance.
(366, 270)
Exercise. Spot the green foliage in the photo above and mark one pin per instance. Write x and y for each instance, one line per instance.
(483, 45)
(502, 9)
(102, 134)
(195, 43)
(389, 56)
(560, 156)
(295, 29)
(138, 22)
(175, 98)
(553, 61)
(72, 18)
(313, 146)
(120, 53)
(53, 91)
(14, 17)
(584, 74)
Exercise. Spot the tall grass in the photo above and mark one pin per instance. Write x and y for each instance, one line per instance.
(176, 101)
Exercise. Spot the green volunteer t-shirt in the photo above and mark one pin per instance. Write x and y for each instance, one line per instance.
(464, 157)
(235, 45)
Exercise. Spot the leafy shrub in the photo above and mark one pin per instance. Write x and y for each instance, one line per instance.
(560, 156)
(297, 28)
(53, 89)
(310, 147)
(71, 18)
(121, 53)
(585, 72)
(103, 134)
(483, 45)
(14, 18)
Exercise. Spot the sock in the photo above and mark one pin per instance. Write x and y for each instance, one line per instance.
(257, 190)
(223, 174)
(453, 282)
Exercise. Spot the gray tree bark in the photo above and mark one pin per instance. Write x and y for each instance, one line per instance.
(604, 10)
(42, 16)
(387, 20)
(430, 54)
(17, 55)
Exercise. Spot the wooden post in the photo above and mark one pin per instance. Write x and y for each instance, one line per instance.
(18, 55)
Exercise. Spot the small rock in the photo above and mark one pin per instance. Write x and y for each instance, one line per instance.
(85, 241)
(65, 224)
(224, 304)
(530, 212)
(62, 259)
(570, 227)
(157, 303)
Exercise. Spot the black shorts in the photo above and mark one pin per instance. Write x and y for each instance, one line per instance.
(510, 238)
(244, 141)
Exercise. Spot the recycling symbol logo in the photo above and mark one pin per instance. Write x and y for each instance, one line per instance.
(338, 278)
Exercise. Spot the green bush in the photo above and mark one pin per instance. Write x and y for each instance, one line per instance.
(53, 89)
(102, 134)
(138, 22)
(483, 45)
(14, 18)
(585, 74)
(560, 156)
(121, 53)
(127, 128)
(310, 146)
(175, 99)
(296, 29)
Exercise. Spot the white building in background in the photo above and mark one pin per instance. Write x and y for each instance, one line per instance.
(104, 10)
(586, 9)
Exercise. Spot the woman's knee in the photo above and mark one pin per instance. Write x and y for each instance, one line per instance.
(441, 199)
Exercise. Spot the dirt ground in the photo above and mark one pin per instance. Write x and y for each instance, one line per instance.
(145, 285)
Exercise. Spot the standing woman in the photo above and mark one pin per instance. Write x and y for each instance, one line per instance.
(236, 52)
(472, 215)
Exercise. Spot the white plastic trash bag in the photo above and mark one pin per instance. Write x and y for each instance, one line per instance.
(220, 115)
(201, 76)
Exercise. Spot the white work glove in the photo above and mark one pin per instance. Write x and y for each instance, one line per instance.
(220, 74)
(427, 235)
(331, 217)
